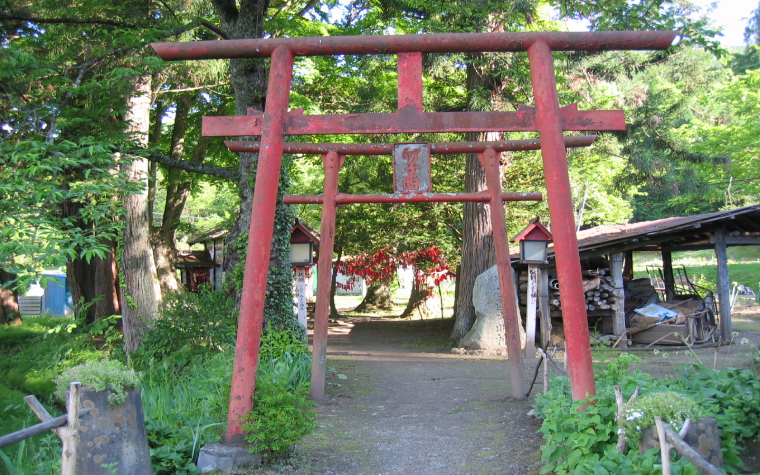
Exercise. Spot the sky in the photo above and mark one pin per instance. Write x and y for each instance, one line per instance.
(733, 16)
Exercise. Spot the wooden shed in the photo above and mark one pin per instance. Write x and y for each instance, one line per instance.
(614, 247)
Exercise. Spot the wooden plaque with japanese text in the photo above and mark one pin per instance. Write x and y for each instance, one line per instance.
(411, 168)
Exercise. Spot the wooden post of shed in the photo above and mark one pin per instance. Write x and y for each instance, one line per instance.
(543, 307)
(667, 270)
(628, 267)
(616, 269)
(724, 298)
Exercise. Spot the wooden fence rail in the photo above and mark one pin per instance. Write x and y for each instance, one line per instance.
(66, 427)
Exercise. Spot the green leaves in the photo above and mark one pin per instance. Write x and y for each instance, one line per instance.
(580, 442)
(37, 180)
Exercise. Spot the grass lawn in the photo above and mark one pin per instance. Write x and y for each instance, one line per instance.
(701, 266)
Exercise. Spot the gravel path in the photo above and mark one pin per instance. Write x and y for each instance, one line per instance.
(397, 402)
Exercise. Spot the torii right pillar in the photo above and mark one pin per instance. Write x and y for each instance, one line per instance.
(563, 221)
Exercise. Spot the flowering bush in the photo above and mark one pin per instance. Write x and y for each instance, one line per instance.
(672, 407)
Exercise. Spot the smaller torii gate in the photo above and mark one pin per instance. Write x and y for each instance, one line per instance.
(547, 118)
(412, 184)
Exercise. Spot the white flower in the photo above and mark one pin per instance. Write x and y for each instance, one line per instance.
(633, 415)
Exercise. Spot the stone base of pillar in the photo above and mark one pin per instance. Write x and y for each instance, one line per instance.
(226, 458)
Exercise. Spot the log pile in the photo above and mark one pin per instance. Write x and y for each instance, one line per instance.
(598, 286)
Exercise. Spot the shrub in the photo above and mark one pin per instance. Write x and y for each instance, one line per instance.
(672, 407)
(189, 324)
(100, 375)
(584, 441)
(280, 417)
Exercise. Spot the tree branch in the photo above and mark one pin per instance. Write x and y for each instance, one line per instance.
(77, 21)
(185, 89)
(215, 29)
(205, 169)
(306, 9)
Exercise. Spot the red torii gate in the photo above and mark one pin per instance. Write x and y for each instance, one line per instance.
(547, 118)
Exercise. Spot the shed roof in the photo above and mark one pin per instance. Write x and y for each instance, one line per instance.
(192, 259)
(301, 232)
(677, 233)
(210, 235)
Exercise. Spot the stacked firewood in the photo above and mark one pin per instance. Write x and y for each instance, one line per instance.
(598, 287)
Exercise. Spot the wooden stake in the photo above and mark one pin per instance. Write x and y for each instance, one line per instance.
(70, 433)
(621, 408)
(703, 466)
(664, 445)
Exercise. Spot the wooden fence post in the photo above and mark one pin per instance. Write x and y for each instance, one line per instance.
(70, 434)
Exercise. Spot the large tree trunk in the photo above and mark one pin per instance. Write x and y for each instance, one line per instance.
(94, 282)
(378, 297)
(422, 301)
(477, 231)
(8, 299)
(141, 290)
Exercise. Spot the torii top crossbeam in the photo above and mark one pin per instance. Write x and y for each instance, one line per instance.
(547, 118)
(435, 43)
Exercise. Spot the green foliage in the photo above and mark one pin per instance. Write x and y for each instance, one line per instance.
(39, 456)
(189, 324)
(104, 328)
(580, 442)
(102, 375)
(30, 358)
(279, 341)
(37, 179)
(280, 417)
(672, 407)
(731, 396)
(183, 405)
(693, 27)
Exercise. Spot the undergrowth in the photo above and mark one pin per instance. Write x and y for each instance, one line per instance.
(185, 363)
(580, 442)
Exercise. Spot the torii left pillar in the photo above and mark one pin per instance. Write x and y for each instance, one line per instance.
(259, 243)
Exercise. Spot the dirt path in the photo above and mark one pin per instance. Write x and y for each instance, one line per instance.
(398, 403)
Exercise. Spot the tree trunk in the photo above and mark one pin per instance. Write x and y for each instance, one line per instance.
(95, 282)
(154, 139)
(141, 290)
(249, 82)
(178, 187)
(8, 299)
(378, 297)
(422, 301)
(477, 231)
